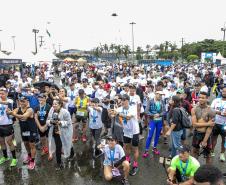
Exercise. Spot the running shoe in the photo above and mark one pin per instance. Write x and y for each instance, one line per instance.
(133, 171)
(125, 182)
(4, 159)
(27, 160)
(31, 165)
(84, 139)
(44, 150)
(212, 154)
(13, 163)
(222, 157)
(128, 158)
(75, 139)
(145, 154)
(155, 151)
(59, 167)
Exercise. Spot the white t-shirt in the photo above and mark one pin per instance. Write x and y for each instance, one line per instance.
(100, 94)
(72, 94)
(113, 155)
(219, 105)
(130, 127)
(4, 118)
(134, 102)
(95, 121)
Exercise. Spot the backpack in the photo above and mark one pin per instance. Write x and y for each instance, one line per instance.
(185, 120)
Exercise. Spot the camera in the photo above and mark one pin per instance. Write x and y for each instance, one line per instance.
(55, 118)
(112, 104)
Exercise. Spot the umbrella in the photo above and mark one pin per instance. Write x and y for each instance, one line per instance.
(42, 84)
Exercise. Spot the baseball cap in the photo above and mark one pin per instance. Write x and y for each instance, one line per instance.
(110, 137)
(95, 100)
(22, 98)
(184, 148)
(107, 86)
(125, 97)
(42, 95)
(180, 91)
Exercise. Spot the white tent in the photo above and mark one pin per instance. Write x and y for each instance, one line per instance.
(45, 55)
(220, 58)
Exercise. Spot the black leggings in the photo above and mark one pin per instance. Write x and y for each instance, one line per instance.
(58, 144)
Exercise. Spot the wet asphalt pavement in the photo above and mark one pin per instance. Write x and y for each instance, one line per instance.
(84, 170)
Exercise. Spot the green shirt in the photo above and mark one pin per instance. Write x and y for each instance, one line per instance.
(192, 166)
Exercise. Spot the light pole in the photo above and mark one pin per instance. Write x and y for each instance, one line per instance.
(35, 31)
(59, 45)
(132, 23)
(41, 41)
(0, 42)
(14, 44)
(223, 29)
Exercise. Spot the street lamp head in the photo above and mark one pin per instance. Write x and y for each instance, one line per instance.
(223, 29)
(35, 30)
(114, 15)
(132, 23)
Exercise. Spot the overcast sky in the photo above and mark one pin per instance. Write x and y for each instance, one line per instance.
(84, 24)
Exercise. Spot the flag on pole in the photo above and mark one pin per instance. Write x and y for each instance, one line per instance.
(47, 31)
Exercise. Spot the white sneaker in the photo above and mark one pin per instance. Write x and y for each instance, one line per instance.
(222, 157)
(212, 154)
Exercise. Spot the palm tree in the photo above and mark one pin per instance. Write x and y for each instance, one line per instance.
(139, 53)
(147, 48)
(126, 51)
(118, 51)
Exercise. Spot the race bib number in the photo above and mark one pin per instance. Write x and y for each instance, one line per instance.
(80, 113)
(27, 133)
(128, 132)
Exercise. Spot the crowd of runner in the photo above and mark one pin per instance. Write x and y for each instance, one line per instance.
(117, 104)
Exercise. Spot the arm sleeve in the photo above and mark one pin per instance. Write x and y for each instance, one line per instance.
(49, 117)
(67, 119)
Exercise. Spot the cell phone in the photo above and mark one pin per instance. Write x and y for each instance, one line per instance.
(112, 106)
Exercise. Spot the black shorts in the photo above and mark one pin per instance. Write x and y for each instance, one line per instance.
(6, 130)
(218, 130)
(134, 140)
(198, 138)
(32, 137)
(81, 118)
(44, 134)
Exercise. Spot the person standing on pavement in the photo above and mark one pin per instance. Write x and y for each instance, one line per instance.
(41, 114)
(128, 118)
(81, 103)
(202, 121)
(176, 129)
(155, 110)
(60, 133)
(6, 128)
(95, 122)
(219, 106)
(28, 128)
